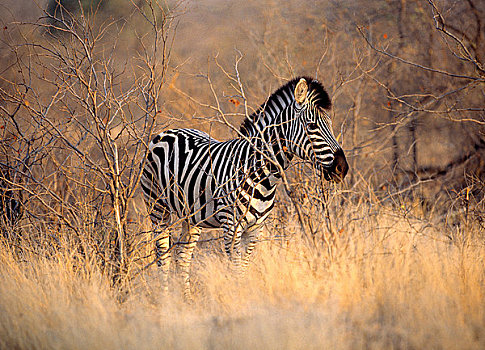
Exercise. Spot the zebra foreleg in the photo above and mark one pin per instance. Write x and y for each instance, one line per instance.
(188, 240)
(232, 246)
(253, 236)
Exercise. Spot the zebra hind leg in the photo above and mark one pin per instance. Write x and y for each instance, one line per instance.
(232, 246)
(188, 240)
(163, 255)
(253, 236)
(163, 249)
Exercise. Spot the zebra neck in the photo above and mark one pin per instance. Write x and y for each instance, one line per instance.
(272, 148)
(268, 132)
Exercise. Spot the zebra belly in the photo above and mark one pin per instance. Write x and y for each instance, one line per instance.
(202, 215)
(198, 208)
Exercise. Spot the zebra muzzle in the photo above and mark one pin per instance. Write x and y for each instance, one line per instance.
(339, 168)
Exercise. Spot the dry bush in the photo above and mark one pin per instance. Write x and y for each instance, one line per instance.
(391, 259)
(76, 120)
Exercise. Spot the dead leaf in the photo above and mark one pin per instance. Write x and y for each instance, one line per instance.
(234, 102)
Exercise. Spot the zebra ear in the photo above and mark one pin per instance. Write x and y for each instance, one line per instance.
(301, 90)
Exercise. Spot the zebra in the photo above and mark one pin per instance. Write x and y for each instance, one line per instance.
(232, 184)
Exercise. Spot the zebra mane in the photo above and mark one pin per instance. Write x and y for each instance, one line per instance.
(319, 98)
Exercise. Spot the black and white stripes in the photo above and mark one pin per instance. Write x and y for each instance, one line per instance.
(232, 184)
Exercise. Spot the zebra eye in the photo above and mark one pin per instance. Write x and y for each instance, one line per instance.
(312, 126)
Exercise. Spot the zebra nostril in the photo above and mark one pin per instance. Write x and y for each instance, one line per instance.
(340, 164)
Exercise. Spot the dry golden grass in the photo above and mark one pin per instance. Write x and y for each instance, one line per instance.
(394, 286)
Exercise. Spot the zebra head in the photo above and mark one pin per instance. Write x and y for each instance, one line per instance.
(315, 141)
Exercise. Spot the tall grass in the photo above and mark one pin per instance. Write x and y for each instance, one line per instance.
(397, 285)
